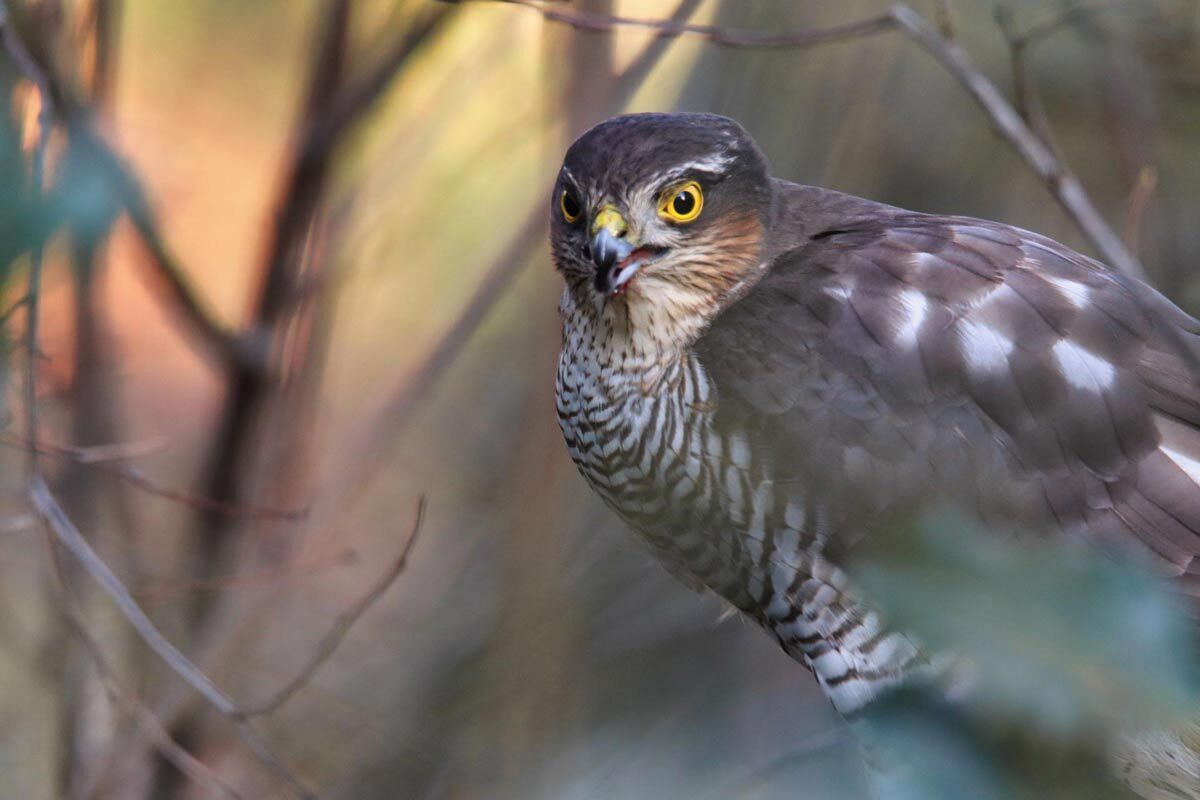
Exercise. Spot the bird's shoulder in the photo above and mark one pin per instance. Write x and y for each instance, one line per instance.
(907, 335)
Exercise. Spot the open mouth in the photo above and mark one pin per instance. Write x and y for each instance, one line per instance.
(624, 271)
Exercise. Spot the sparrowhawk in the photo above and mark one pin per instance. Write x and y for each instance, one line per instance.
(755, 374)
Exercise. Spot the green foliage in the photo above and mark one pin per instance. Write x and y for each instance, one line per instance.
(1066, 650)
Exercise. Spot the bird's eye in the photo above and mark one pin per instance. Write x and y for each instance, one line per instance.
(682, 203)
(570, 206)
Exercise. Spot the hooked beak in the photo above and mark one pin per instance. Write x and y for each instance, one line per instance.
(609, 245)
(617, 259)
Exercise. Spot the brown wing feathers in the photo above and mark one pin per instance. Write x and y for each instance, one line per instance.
(1059, 375)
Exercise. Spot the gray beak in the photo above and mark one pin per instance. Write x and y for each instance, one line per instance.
(607, 252)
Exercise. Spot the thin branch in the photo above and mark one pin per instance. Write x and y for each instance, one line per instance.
(417, 385)
(26, 64)
(156, 588)
(724, 37)
(68, 536)
(108, 458)
(1064, 19)
(635, 73)
(58, 102)
(150, 725)
(1063, 183)
(360, 95)
(341, 626)
(1026, 97)
(1135, 208)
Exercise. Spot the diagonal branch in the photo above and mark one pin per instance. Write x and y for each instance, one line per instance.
(1008, 124)
(724, 37)
(341, 626)
(1059, 179)
(68, 536)
(151, 726)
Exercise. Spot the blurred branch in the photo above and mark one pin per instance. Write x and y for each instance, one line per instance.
(413, 389)
(109, 458)
(68, 536)
(725, 37)
(359, 96)
(58, 101)
(1135, 208)
(152, 728)
(24, 60)
(1026, 97)
(168, 587)
(341, 626)
(1058, 178)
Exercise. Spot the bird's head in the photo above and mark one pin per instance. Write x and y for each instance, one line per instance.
(660, 210)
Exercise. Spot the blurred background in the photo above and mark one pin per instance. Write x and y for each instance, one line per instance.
(355, 194)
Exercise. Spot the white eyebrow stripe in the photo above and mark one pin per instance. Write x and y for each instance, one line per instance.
(716, 162)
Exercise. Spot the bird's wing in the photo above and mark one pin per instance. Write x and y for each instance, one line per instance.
(940, 352)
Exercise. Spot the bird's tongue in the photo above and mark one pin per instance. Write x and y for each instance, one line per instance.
(625, 269)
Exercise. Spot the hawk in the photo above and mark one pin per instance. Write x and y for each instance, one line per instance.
(755, 374)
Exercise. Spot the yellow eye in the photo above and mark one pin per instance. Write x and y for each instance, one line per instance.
(683, 203)
(570, 206)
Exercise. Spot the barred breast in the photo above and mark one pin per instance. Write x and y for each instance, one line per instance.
(642, 432)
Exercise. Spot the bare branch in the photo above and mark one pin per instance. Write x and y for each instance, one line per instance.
(1026, 97)
(25, 62)
(69, 537)
(1062, 183)
(341, 626)
(107, 458)
(1135, 208)
(150, 725)
(57, 102)
(724, 37)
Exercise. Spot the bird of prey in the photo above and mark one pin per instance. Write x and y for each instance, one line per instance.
(754, 374)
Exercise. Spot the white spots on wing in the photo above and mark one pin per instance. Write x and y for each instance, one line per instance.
(923, 261)
(838, 292)
(915, 308)
(1186, 463)
(983, 347)
(1082, 369)
(1075, 293)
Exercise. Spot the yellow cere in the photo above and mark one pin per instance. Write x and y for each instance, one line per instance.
(609, 218)
(682, 203)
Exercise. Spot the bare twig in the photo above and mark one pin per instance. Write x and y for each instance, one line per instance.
(1026, 97)
(25, 62)
(1063, 183)
(69, 537)
(360, 95)
(150, 725)
(411, 391)
(163, 587)
(108, 458)
(58, 102)
(1135, 208)
(1064, 19)
(724, 37)
(341, 626)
